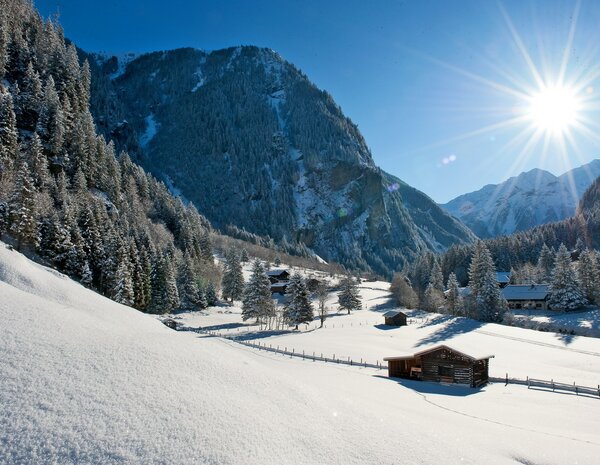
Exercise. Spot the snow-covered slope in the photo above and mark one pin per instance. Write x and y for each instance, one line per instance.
(522, 202)
(86, 381)
(283, 161)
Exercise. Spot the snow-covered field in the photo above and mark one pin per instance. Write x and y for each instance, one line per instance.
(84, 380)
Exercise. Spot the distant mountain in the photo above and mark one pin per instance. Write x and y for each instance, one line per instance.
(530, 199)
(246, 137)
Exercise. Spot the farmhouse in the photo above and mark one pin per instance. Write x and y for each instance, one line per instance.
(279, 288)
(395, 318)
(441, 364)
(528, 296)
(278, 275)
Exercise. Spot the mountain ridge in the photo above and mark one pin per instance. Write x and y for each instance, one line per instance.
(246, 137)
(530, 199)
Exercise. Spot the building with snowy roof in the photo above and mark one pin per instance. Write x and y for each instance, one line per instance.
(527, 296)
(441, 364)
(395, 318)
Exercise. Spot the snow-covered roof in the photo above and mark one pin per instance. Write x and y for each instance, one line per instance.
(281, 284)
(475, 358)
(526, 292)
(276, 272)
(393, 313)
(503, 276)
(462, 291)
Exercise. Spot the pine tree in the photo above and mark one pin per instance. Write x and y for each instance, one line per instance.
(349, 296)
(191, 295)
(298, 308)
(244, 258)
(50, 124)
(257, 301)
(453, 297)
(211, 295)
(232, 286)
(24, 214)
(589, 276)
(39, 163)
(489, 306)
(123, 291)
(9, 143)
(436, 279)
(86, 275)
(565, 293)
(30, 99)
(277, 261)
(545, 264)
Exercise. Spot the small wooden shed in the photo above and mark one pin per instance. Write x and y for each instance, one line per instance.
(441, 364)
(395, 318)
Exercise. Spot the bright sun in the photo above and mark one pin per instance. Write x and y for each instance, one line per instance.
(554, 109)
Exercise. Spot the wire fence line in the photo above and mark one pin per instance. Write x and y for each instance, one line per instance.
(531, 383)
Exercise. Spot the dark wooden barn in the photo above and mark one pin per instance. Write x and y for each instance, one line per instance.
(278, 275)
(395, 318)
(441, 364)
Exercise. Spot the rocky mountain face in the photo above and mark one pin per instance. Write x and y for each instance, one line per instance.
(533, 198)
(247, 138)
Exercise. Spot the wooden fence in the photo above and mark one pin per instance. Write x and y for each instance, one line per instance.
(531, 383)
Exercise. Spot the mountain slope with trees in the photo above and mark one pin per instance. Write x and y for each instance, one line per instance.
(530, 199)
(68, 197)
(246, 137)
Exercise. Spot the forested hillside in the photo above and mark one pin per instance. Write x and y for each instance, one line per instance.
(246, 137)
(69, 198)
(523, 248)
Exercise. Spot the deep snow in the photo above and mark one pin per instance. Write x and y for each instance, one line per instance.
(85, 380)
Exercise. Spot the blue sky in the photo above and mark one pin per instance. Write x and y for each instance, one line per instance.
(416, 76)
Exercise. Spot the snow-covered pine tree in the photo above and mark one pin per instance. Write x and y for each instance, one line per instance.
(192, 297)
(298, 308)
(545, 264)
(244, 258)
(211, 294)
(39, 163)
(232, 286)
(123, 290)
(349, 295)
(453, 297)
(277, 261)
(565, 293)
(589, 276)
(9, 144)
(24, 215)
(485, 292)
(257, 302)
(436, 278)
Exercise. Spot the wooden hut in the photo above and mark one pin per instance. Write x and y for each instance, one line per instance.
(278, 275)
(441, 364)
(395, 318)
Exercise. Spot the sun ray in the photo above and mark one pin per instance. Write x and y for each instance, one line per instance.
(569, 45)
(521, 46)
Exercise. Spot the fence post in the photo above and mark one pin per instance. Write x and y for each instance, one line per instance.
(528, 382)
(506, 384)
(303, 355)
(552, 382)
(576, 388)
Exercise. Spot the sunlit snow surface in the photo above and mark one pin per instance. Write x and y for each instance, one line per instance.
(84, 380)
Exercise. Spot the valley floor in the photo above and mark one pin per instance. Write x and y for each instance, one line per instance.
(85, 380)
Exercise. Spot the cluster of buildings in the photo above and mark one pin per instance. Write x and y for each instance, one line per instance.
(519, 296)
